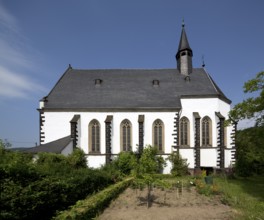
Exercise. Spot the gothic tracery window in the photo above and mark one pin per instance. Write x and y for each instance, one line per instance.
(184, 131)
(158, 134)
(126, 130)
(94, 136)
(206, 131)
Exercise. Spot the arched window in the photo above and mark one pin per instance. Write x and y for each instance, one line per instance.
(158, 134)
(94, 136)
(206, 131)
(125, 134)
(184, 132)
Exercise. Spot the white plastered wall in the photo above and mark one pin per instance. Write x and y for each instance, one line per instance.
(57, 125)
(206, 107)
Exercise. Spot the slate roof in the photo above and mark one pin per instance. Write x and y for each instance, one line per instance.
(133, 89)
(56, 146)
(183, 44)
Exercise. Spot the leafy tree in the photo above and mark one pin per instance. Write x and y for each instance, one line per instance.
(148, 165)
(252, 107)
(250, 151)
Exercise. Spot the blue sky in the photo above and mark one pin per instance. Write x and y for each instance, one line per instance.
(39, 39)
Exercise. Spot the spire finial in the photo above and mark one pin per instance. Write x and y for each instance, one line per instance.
(203, 64)
(183, 24)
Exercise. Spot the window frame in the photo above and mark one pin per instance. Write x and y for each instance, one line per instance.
(160, 133)
(128, 130)
(206, 132)
(186, 132)
(94, 124)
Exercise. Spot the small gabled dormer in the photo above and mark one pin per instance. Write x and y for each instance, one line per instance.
(184, 54)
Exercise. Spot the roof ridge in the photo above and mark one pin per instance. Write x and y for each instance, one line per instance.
(106, 69)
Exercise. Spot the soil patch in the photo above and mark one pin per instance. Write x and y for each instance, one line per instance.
(166, 205)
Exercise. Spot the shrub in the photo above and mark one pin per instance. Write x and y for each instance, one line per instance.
(125, 162)
(179, 165)
(150, 162)
(36, 190)
(77, 159)
(206, 189)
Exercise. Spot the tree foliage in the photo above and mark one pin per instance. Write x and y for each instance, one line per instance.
(252, 107)
(250, 151)
(36, 189)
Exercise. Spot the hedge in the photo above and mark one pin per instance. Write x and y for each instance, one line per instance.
(92, 205)
(38, 190)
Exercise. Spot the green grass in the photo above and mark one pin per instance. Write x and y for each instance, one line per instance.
(246, 196)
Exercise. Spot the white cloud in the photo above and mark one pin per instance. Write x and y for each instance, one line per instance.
(16, 60)
(7, 20)
(16, 85)
(10, 55)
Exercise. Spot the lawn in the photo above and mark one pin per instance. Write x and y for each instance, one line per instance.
(245, 195)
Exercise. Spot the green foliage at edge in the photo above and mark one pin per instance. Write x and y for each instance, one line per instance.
(250, 151)
(252, 107)
(36, 189)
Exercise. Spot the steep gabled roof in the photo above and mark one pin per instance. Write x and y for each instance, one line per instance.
(128, 89)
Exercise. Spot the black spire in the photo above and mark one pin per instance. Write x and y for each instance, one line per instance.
(184, 54)
(183, 44)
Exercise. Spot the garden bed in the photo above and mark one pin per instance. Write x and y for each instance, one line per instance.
(166, 204)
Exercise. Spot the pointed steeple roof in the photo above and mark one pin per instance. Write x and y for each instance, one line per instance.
(184, 44)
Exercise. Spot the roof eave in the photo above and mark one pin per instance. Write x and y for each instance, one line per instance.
(131, 109)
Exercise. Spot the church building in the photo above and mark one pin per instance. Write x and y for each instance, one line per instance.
(107, 111)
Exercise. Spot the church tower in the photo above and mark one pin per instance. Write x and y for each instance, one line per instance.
(184, 54)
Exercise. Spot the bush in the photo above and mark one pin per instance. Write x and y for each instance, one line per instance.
(179, 165)
(77, 159)
(150, 162)
(36, 190)
(126, 162)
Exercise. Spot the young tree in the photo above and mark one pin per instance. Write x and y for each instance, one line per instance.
(252, 107)
(148, 165)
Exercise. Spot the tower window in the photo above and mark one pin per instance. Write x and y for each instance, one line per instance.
(183, 53)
